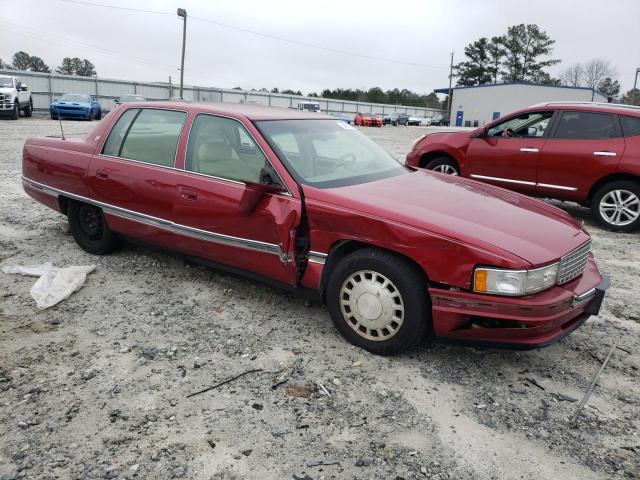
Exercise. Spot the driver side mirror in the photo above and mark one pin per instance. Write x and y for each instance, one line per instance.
(254, 192)
(23, 87)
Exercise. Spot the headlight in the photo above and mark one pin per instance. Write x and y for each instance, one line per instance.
(514, 282)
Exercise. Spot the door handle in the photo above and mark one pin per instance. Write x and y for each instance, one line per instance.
(529, 150)
(604, 154)
(101, 173)
(187, 194)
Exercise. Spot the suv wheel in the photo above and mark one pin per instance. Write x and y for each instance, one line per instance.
(616, 206)
(443, 165)
(379, 301)
(16, 111)
(28, 112)
(90, 229)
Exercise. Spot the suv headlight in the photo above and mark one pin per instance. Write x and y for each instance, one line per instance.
(514, 283)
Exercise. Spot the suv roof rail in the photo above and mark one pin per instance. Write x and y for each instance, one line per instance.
(600, 104)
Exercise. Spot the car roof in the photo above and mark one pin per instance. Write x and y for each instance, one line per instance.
(250, 111)
(592, 106)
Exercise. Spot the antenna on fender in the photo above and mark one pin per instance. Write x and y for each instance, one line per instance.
(61, 131)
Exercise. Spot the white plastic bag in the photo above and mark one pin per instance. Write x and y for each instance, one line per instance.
(55, 284)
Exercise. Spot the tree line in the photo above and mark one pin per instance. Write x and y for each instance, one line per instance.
(69, 66)
(523, 54)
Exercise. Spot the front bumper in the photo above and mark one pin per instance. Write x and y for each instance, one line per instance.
(527, 322)
(67, 112)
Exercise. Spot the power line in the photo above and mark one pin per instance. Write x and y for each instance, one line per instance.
(266, 35)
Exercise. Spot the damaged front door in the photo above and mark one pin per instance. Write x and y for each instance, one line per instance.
(223, 168)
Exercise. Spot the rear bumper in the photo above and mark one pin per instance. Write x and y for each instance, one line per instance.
(518, 322)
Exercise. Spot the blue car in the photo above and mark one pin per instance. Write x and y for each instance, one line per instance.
(345, 117)
(76, 105)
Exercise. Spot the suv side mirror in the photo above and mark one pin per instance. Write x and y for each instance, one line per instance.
(23, 87)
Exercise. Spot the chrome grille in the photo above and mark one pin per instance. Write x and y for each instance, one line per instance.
(573, 264)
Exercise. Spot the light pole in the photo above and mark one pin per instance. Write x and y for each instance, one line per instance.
(635, 80)
(183, 13)
(450, 92)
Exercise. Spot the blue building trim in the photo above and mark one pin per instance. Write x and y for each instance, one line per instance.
(592, 90)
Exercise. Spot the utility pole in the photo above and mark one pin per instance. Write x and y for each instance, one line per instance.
(183, 13)
(450, 80)
(170, 88)
(635, 80)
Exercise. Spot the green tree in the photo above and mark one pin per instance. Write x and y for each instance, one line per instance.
(36, 64)
(274, 90)
(21, 60)
(4, 66)
(476, 69)
(432, 101)
(525, 48)
(632, 97)
(611, 88)
(496, 53)
(77, 66)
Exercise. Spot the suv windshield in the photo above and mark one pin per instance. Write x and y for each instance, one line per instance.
(328, 153)
(6, 82)
(73, 97)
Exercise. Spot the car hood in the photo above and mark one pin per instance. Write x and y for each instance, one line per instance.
(477, 214)
(6, 90)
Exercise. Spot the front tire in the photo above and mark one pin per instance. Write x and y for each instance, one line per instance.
(444, 165)
(90, 229)
(16, 111)
(379, 302)
(28, 112)
(616, 206)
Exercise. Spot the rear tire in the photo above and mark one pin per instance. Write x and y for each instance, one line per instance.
(444, 165)
(90, 229)
(378, 301)
(616, 206)
(98, 114)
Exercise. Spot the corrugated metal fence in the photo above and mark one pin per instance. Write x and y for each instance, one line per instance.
(45, 87)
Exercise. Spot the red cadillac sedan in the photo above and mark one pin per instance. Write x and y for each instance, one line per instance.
(306, 202)
(583, 152)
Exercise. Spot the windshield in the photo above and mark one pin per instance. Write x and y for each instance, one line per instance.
(328, 153)
(6, 82)
(74, 97)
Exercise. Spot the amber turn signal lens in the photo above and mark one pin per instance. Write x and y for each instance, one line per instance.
(480, 281)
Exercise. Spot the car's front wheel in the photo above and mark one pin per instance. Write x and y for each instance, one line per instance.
(443, 165)
(379, 301)
(15, 113)
(28, 112)
(89, 228)
(616, 206)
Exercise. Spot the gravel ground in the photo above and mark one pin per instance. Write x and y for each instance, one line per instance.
(96, 387)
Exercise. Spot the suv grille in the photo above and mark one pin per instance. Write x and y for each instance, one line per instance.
(573, 264)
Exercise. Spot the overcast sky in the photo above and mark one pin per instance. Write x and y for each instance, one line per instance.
(418, 34)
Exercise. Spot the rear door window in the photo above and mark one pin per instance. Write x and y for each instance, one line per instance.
(630, 125)
(586, 126)
(149, 135)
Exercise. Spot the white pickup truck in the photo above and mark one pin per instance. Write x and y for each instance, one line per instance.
(14, 96)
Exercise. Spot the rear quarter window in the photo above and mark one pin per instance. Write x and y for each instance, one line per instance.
(630, 126)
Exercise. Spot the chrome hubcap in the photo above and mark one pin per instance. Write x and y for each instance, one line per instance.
(371, 305)
(446, 169)
(620, 207)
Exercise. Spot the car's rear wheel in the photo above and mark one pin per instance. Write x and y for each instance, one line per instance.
(379, 301)
(616, 206)
(98, 114)
(15, 113)
(444, 165)
(90, 229)
(28, 112)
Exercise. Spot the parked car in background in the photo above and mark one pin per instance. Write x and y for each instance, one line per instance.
(76, 105)
(414, 120)
(309, 106)
(438, 121)
(367, 120)
(395, 119)
(130, 97)
(583, 152)
(14, 97)
(345, 117)
(310, 203)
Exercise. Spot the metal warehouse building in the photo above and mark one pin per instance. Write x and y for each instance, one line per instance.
(475, 106)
